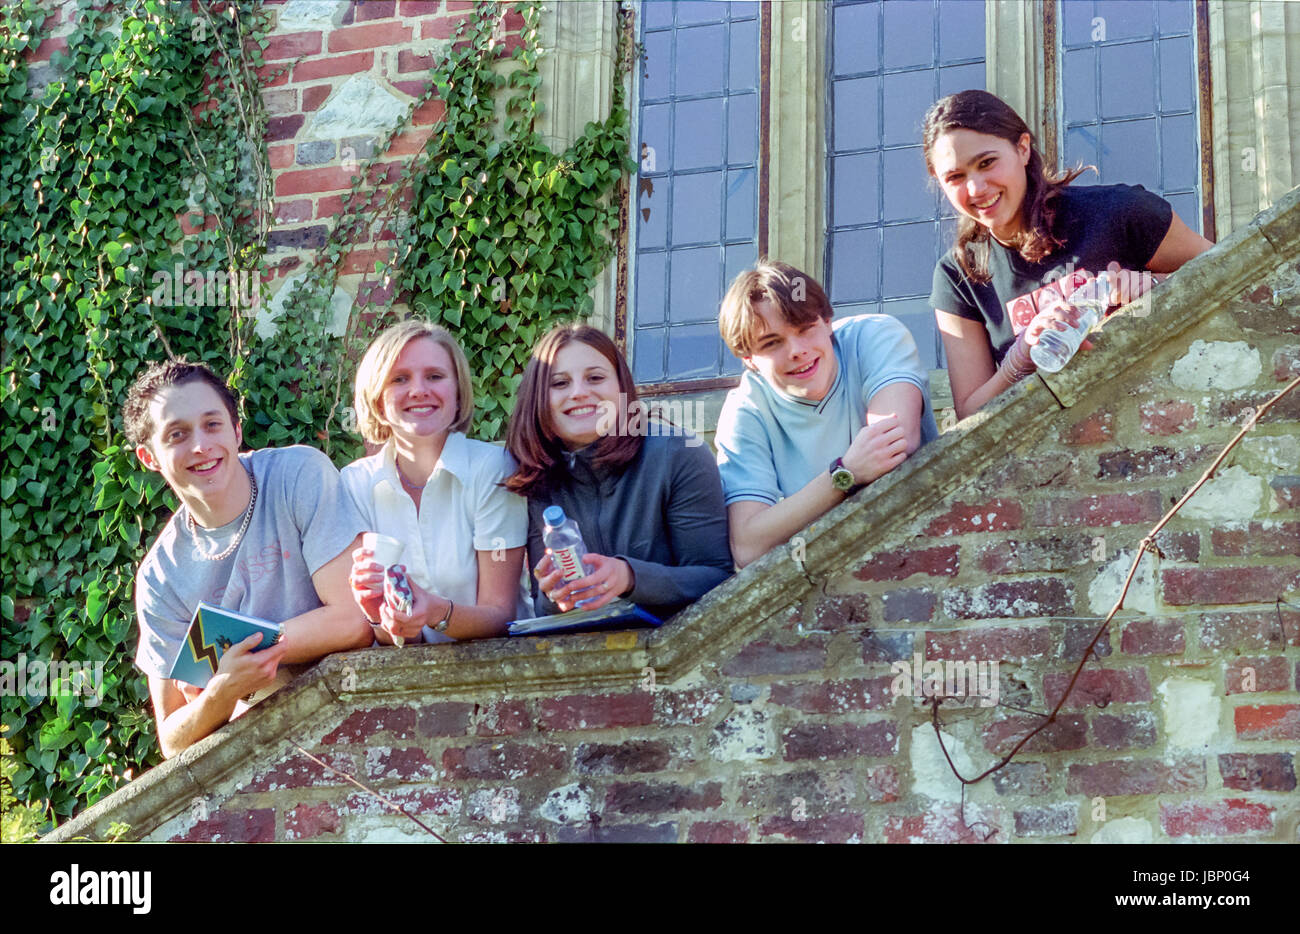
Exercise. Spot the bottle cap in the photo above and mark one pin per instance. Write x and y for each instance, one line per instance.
(554, 515)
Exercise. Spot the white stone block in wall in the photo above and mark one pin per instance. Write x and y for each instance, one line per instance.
(1233, 495)
(305, 15)
(1217, 365)
(1191, 710)
(362, 107)
(931, 774)
(1124, 830)
(340, 310)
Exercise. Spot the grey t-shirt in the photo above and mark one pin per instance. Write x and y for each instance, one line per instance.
(302, 520)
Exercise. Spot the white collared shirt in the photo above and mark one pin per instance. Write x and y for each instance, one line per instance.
(463, 511)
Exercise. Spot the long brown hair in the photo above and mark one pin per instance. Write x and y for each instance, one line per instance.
(983, 112)
(531, 438)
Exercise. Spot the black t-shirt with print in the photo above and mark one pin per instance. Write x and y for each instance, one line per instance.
(1100, 224)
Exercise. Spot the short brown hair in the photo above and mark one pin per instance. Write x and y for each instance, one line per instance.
(136, 424)
(531, 438)
(799, 297)
(378, 361)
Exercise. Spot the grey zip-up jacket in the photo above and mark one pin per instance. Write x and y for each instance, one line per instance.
(662, 513)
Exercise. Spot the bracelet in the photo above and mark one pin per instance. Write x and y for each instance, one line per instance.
(1017, 364)
(442, 623)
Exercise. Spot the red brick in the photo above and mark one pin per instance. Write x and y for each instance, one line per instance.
(833, 696)
(904, 562)
(307, 821)
(444, 27)
(1051, 471)
(435, 802)
(835, 741)
(842, 613)
(501, 761)
(293, 212)
(1066, 732)
(881, 785)
(683, 708)
(997, 515)
(1227, 818)
(1268, 721)
(1287, 409)
(661, 798)
(414, 88)
(836, 828)
(257, 826)
(409, 61)
(363, 261)
(376, 35)
(1125, 731)
(410, 142)
(1167, 418)
(618, 833)
(1269, 771)
(1266, 629)
(312, 181)
(1136, 777)
(1098, 686)
(769, 658)
(279, 128)
(314, 96)
(912, 605)
(45, 51)
(1269, 673)
(333, 67)
(428, 113)
(596, 711)
(281, 157)
(1152, 637)
(1011, 600)
(408, 764)
(1022, 778)
(375, 9)
(298, 771)
(363, 725)
(1179, 546)
(417, 7)
(1108, 509)
(1051, 820)
(718, 832)
(1040, 554)
(193, 223)
(1080, 634)
(1222, 586)
(445, 719)
(504, 718)
(886, 646)
(291, 45)
(943, 824)
(1158, 461)
(1271, 539)
(1286, 363)
(623, 758)
(993, 644)
(806, 792)
(1094, 429)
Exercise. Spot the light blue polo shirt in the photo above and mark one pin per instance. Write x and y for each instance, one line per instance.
(771, 445)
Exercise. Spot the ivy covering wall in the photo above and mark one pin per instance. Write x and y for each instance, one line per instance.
(145, 155)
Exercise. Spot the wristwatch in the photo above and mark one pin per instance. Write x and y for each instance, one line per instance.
(441, 625)
(842, 478)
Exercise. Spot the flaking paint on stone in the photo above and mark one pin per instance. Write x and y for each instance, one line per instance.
(1106, 586)
(931, 774)
(1124, 830)
(1217, 365)
(1191, 709)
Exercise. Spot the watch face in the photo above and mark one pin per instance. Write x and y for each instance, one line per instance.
(842, 479)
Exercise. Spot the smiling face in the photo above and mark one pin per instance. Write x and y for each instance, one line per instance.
(583, 394)
(419, 398)
(983, 177)
(194, 443)
(798, 359)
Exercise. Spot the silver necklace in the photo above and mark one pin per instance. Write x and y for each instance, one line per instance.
(239, 536)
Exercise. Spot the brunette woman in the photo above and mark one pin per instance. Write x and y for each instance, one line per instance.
(436, 491)
(647, 498)
(1023, 238)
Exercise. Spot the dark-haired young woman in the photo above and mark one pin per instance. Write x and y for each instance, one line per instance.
(648, 503)
(1022, 231)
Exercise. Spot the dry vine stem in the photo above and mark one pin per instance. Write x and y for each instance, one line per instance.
(392, 804)
(1147, 544)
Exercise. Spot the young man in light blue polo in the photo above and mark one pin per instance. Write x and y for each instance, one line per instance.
(822, 410)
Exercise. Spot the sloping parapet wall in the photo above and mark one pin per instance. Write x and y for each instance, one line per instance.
(770, 710)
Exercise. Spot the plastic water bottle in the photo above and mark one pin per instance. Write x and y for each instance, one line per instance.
(562, 537)
(1055, 348)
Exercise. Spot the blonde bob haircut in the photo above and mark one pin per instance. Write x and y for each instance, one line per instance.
(372, 375)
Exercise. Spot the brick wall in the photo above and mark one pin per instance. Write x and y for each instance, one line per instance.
(769, 711)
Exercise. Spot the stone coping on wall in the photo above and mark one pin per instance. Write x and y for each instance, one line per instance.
(740, 606)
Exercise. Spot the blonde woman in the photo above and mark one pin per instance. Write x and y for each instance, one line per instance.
(434, 490)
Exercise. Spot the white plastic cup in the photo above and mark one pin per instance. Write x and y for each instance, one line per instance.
(1055, 348)
(387, 551)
